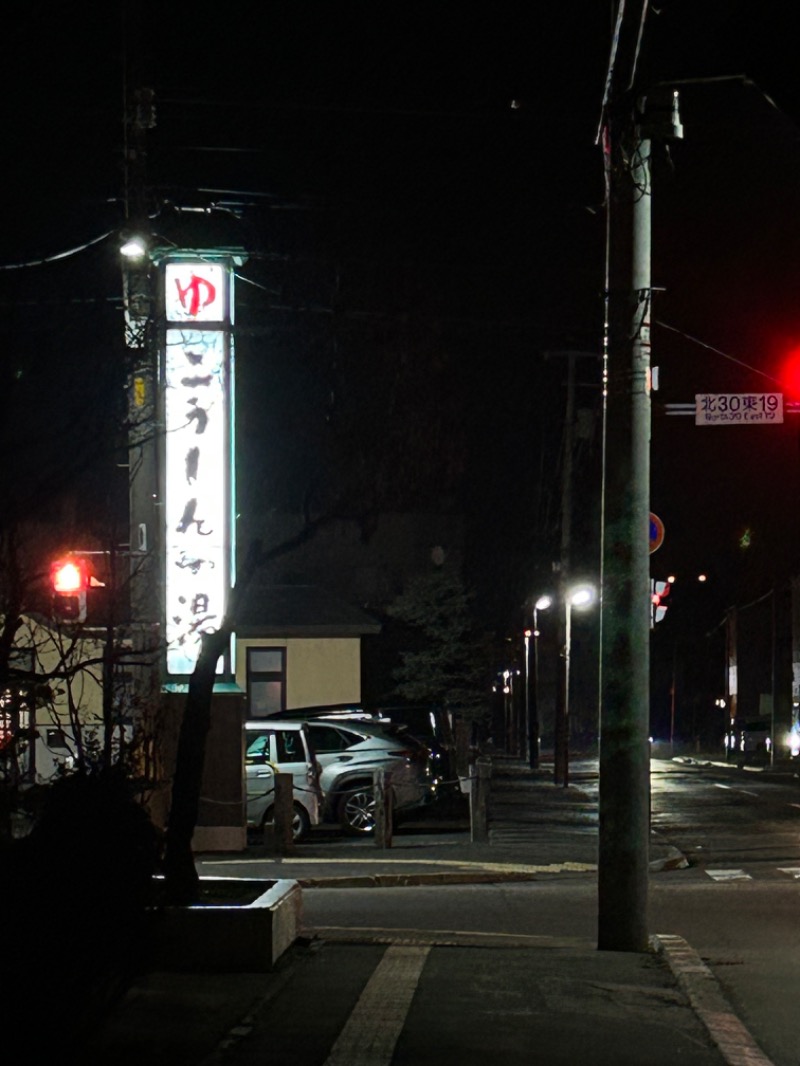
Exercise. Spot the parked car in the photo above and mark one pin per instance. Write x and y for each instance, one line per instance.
(281, 747)
(429, 724)
(754, 741)
(348, 751)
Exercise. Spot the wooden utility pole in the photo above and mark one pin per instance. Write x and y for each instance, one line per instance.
(631, 118)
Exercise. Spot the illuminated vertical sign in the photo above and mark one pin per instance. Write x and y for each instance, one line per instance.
(197, 406)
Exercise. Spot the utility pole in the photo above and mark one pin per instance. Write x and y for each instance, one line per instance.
(629, 122)
(561, 738)
(138, 287)
(731, 677)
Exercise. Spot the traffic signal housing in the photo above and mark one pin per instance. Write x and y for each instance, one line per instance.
(658, 591)
(69, 579)
(790, 374)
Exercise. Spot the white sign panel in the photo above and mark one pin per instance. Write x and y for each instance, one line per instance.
(738, 408)
(197, 422)
(194, 291)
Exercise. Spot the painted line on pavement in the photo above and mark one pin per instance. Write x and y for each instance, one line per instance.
(372, 1030)
(733, 1039)
(744, 791)
(728, 875)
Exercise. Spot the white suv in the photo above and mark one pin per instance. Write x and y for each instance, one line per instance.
(281, 747)
(349, 752)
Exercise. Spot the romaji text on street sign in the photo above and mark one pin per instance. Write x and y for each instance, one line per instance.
(738, 408)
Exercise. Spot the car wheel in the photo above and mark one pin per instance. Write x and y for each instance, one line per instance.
(357, 810)
(301, 823)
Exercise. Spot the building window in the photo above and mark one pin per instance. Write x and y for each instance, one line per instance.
(266, 681)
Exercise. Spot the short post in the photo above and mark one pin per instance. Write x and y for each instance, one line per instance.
(480, 773)
(283, 814)
(382, 785)
(463, 743)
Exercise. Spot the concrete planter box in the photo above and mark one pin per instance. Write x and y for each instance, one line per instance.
(238, 926)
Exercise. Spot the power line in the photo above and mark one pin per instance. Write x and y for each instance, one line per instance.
(716, 351)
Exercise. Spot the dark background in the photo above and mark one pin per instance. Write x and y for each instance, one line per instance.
(419, 191)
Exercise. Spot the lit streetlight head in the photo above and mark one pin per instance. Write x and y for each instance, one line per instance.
(133, 247)
(543, 603)
(581, 596)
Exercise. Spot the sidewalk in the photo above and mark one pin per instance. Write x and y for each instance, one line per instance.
(426, 997)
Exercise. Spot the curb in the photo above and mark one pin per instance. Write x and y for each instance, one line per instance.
(452, 877)
(731, 1037)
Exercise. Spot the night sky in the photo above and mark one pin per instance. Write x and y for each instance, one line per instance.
(426, 177)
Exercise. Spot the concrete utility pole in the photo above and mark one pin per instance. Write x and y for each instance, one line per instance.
(731, 678)
(629, 122)
(561, 732)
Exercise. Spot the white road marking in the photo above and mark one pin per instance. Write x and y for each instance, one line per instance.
(744, 791)
(794, 805)
(793, 871)
(728, 875)
(372, 1030)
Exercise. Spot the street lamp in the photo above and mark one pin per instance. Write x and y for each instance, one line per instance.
(578, 596)
(133, 247)
(532, 692)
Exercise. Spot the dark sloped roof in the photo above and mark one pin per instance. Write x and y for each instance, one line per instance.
(300, 611)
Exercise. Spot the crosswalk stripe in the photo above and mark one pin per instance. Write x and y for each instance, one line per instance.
(372, 1030)
(728, 875)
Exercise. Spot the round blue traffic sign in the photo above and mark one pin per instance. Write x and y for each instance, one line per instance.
(656, 532)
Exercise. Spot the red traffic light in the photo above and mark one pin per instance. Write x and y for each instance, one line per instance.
(69, 578)
(790, 374)
(69, 575)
